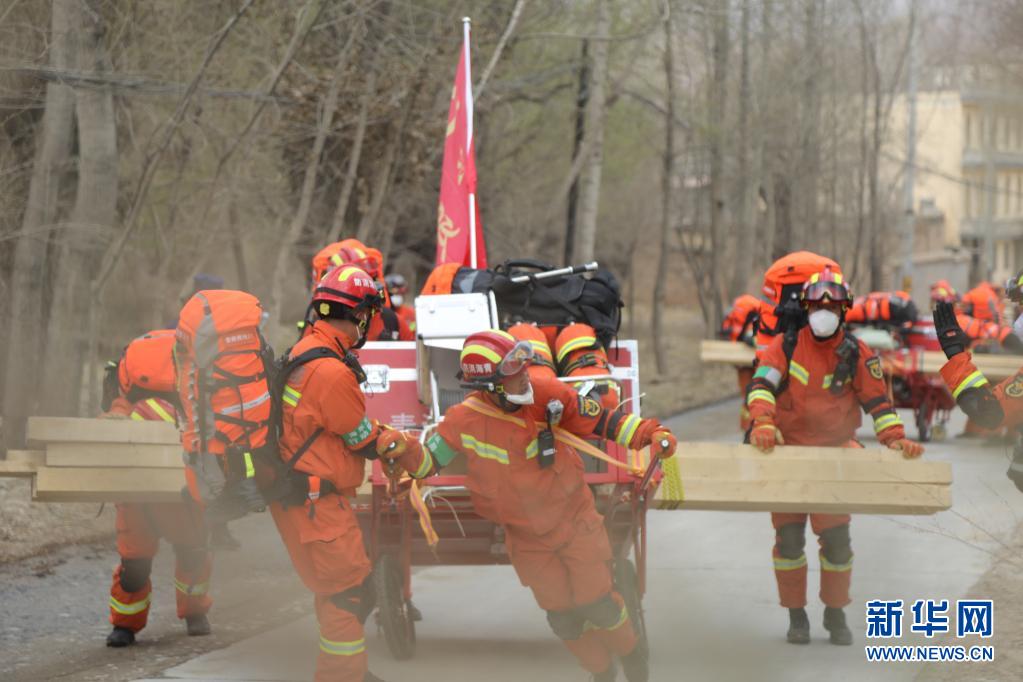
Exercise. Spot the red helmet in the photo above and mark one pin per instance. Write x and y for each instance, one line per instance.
(943, 292)
(826, 285)
(489, 355)
(346, 290)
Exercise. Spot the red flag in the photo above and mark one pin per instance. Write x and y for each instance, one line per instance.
(457, 211)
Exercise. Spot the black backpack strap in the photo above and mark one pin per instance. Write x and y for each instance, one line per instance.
(392, 327)
(848, 352)
(282, 379)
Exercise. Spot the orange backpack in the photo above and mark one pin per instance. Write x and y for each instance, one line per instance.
(145, 370)
(223, 373)
(580, 354)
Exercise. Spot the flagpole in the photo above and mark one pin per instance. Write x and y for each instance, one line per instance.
(466, 21)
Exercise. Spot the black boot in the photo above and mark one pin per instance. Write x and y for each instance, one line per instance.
(414, 613)
(197, 626)
(120, 637)
(799, 627)
(636, 663)
(834, 623)
(609, 675)
(221, 538)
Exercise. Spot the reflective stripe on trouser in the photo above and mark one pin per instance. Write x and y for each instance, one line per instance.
(128, 609)
(791, 573)
(342, 655)
(139, 529)
(568, 568)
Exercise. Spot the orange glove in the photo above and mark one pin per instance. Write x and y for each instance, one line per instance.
(398, 452)
(391, 444)
(663, 444)
(910, 448)
(765, 435)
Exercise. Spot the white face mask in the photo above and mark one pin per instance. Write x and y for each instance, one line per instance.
(397, 300)
(521, 398)
(824, 323)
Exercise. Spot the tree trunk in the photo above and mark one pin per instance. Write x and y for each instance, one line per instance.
(92, 224)
(581, 99)
(53, 151)
(381, 183)
(718, 110)
(593, 143)
(667, 174)
(287, 248)
(809, 235)
(337, 227)
(746, 228)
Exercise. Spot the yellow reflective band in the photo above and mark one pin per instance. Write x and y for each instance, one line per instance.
(827, 380)
(291, 396)
(837, 568)
(532, 449)
(975, 380)
(837, 277)
(250, 470)
(541, 347)
(348, 272)
(191, 590)
(137, 417)
(160, 412)
(886, 422)
(576, 344)
(424, 466)
(484, 351)
(485, 450)
(333, 648)
(627, 429)
(760, 394)
(336, 259)
(799, 373)
(623, 616)
(129, 609)
(783, 564)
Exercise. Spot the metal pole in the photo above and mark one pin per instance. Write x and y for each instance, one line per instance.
(468, 136)
(909, 205)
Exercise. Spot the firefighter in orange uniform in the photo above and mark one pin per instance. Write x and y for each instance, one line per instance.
(740, 326)
(522, 476)
(989, 408)
(397, 290)
(581, 354)
(810, 393)
(984, 302)
(140, 386)
(326, 440)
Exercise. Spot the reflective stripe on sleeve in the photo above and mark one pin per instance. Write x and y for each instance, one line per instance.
(974, 380)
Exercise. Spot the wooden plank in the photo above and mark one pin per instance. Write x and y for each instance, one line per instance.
(833, 497)
(727, 352)
(738, 450)
(21, 463)
(43, 430)
(133, 455)
(776, 469)
(71, 484)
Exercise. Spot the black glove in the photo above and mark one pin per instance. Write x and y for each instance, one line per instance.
(248, 494)
(1013, 344)
(1015, 472)
(951, 336)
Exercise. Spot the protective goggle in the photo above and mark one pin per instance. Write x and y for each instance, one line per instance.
(832, 291)
(517, 358)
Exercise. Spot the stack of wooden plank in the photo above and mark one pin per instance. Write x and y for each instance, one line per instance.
(99, 460)
(994, 367)
(733, 477)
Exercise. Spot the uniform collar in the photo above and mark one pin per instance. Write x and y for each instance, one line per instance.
(333, 337)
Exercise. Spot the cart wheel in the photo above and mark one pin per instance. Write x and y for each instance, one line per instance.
(923, 424)
(938, 432)
(627, 585)
(392, 609)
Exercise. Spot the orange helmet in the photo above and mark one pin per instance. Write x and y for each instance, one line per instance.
(491, 355)
(943, 292)
(345, 290)
(346, 251)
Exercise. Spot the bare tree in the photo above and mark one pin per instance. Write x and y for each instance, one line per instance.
(667, 191)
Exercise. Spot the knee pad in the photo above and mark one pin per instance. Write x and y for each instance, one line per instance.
(190, 558)
(604, 613)
(791, 540)
(359, 600)
(566, 624)
(836, 545)
(135, 574)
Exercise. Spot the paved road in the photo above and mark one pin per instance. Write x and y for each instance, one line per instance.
(711, 607)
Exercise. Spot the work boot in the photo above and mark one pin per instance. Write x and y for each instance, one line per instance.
(120, 637)
(609, 675)
(799, 627)
(197, 626)
(414, 613)
(834, 623)
(636, 664)
(221, 538)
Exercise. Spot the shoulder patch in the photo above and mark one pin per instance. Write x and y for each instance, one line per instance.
(588, 407)
(1015, 388)
(874, 366)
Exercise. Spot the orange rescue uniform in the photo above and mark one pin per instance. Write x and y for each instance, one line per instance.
(984, 303)
(796, 395)
(139, 529)
(323, 536)
(556, 538)
(740, 325)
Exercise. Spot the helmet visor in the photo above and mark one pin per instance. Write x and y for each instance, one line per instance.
(516, 359)
(832, 291)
